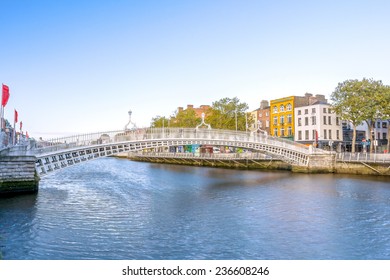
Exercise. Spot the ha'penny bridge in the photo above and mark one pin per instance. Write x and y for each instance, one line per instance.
(22, 166)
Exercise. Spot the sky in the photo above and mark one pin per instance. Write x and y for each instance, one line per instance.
(79, 66)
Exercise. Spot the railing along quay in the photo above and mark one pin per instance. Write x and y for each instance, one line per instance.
(363, 157)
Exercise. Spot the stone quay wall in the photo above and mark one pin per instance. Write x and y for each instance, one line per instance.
(18, 175)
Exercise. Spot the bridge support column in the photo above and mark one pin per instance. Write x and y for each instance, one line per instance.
(318, 163)
(18, 175)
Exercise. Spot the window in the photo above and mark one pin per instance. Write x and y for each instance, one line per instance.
(313, 120)
(324, 133)
(337, 121)
(289, 131)
(378, 125)
(282, 132)
(324, 119)
(329, 111)
(306, 135)
(313, 110)
(260, 124)
(289, 118)
(337, 134)
(281, 119)
(299, 135)
(267, 114)
(275, 120)
(306, 121)
(384, 135)
(313, 134)
(330, 134)
(275, 132)
(281, 108)
(306, 111)
(267, 123)
(329, 120)
(299, 112)
(275, 109)
(384, 125)
(299, 122)
(324, 110)
(379, 135)
(260, 115)
(289, 107)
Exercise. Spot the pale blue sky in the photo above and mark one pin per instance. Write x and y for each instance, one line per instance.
(79, 66)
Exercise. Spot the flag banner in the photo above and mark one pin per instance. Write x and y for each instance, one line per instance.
(4, 95)
(26, 134)
(21, 125)
(16, 117)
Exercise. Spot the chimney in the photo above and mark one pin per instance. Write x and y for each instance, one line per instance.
(179, 109)
(190, 106)
(264, 104)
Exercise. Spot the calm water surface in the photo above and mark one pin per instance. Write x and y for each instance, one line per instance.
(118, 209)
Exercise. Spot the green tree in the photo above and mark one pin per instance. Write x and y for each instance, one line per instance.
(372, 95)
(185, 118)
(347, 103)
(223, 114)
(159, 121)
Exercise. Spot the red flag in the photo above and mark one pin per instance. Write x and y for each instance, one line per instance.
(4, 95)
(21, 125)
(16, 117)
(26, 134)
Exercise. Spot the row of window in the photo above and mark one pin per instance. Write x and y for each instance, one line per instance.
(313, 111)
(378, 125)
(282, 108)
(282, 119)
(327, 134)
(283, 132)
(314, 120)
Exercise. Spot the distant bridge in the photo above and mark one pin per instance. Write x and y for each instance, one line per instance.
(59, 153)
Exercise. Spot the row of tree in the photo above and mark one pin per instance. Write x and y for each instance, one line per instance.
(359, 101)
(225, 113)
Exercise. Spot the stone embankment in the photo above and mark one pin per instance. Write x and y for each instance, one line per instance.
(317, 164)
(17, 175)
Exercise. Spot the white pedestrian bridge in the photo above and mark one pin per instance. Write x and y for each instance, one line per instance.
(59, 153)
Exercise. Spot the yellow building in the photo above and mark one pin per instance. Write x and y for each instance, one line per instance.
(282, 113)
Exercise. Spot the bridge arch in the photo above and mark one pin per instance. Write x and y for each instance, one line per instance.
(60, 153)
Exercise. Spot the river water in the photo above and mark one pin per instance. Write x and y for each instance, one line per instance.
(118, 209)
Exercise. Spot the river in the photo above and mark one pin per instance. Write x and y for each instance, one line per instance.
(118, 209)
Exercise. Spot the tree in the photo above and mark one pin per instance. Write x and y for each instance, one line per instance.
(224, 112)
(372, 95)
(159, 121)
(185, 118)
(347, 103)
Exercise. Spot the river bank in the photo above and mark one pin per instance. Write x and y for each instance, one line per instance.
(339, 167)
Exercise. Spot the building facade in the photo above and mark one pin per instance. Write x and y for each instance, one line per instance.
(317, 124)
(264, 117)
(283, 116)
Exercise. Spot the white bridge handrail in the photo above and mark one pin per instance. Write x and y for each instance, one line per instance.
(147, 134)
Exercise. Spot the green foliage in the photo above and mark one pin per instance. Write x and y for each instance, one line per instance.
(357, 101)
(159, 121)
(185, 118)
(223, 113)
